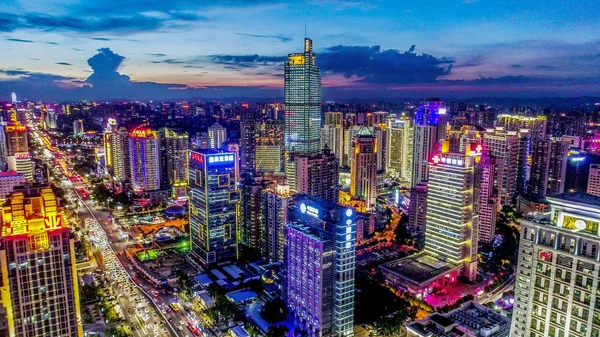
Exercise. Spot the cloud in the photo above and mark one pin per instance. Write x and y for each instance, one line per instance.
(18, 40)
(516, 65)
(75, 21)
(54, 43)
(100, 38)
(156, 55)
(64, 63)
(281, 38)
(193, 66)
(170, 61)
(372, 65)
(247, 60)
(544, 67)
(77, 49)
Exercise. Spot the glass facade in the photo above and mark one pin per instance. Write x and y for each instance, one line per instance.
(302, 93)
(213, 201)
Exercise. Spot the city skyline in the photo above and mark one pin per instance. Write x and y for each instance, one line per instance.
(97, 50)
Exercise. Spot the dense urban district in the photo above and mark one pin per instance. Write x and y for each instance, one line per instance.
(301, 217)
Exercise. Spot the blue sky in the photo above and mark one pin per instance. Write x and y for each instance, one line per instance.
(156, 49)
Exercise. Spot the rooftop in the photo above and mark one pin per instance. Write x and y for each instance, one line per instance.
(580, 197)
(419, 268)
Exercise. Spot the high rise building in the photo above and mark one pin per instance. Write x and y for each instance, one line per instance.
(8, 181)
(175, 156)
(274, 216)
(380, 132)
(16, 139)
(251, 231)
(316, 175)
(540, 166)
(213, 202)
(363, 172)
(557, 280)
(78, 128)
(302, 94)
(3, 148)
(593, 185)
(487, 187)
(321, 257)
(536, 125)
(217, 135)
(513, 148)
(418, 209)
(449, 232)
(332, 135)
(249, 130)
(120, 155)
(400, 134)
(37, 262)
(144, 160)
(269, 155)
(428, 131)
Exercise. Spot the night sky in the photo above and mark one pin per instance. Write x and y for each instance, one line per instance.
(159, 49)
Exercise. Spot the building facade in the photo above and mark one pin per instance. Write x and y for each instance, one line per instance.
(363, 172)
(144, 160)
(314, 175)
(274, 217)
(557, 290)
(320, 266)
(175, 156)
(213, 200)
(39, 288)
(400, 134)
(302, 95)
(593, 185)
(217, 135)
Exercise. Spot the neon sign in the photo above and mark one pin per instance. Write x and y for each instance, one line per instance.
(221, 158)
(16, 128)
(141, 133)
(475, 149)
(197, 157)
(310, 210)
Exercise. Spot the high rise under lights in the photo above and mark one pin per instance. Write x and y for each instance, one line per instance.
(217, 135)
(363, 172)
(213, 202)
(144, 151)
(302, 94)
(428, 131)
(39, 290)
(320, 266)
(557, 292)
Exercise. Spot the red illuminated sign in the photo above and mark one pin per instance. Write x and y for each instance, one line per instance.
(197, 157)
(436, 158)
(141, 133)
(476, 149)
(16, 128)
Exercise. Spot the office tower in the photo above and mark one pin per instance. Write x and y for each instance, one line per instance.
(3, 148)
(213, 202)
(16, 139)
(540, 166)
(349, 135)
(487, 187)
(217, 135)
(175, 156)
(51, 118)
(321, 256)
(302, 95)
(536, 125)
(513, 148)
(268, 155)
(429, 129)
(21, 163)
(37, 263)
(556, 290)
(13, 98)
(274, 217)
(8, 181)
(249, 131)
(557, 170)
(235, 148)
(449, 232)
(593, 185)
(119, 145)
(400, 135)
(252, 233)
(418, 209)
(314, 175)
(144, 160)
(78, 128)
(363, 172)
(332, 135)
(380, 132)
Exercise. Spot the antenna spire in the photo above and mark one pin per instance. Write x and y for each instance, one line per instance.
(305, 29)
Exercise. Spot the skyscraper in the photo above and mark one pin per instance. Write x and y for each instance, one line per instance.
(274, 217)
(16, 138)
(513, 148)
(332, 134)
(400, 135)
(487, 187)
(144, 159)
(213, 201)
(37, 262)
(418, 209)
(593, 185)
(316, 175)
(251, 231)
(363, 172)
(321, 257)
(119, 154)
(557, 281)
(428, 131)
(217, 135)
(302, 94)
(449, 232)
(557, 170)
(249, 130)
(175, 156)
(268, 154)
(78, 128)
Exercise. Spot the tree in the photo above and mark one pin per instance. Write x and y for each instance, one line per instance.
(277, 331)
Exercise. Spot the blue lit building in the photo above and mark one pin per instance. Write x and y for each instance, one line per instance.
(321, 257)
(213, 200)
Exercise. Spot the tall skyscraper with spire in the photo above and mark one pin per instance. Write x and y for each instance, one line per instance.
(302, 91)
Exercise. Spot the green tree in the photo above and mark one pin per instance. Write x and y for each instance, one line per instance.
(277, 331)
